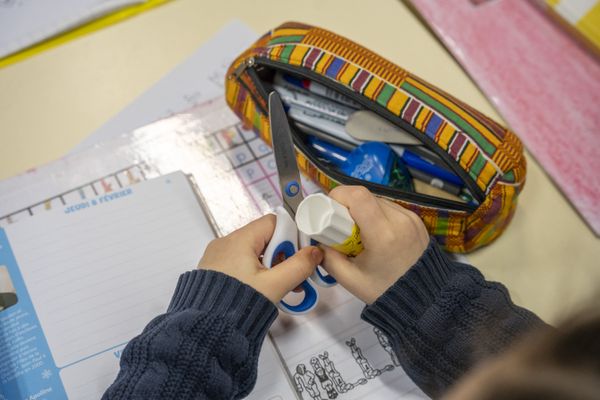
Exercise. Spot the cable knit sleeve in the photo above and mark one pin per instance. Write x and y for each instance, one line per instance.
(205, 346)
(442, 317)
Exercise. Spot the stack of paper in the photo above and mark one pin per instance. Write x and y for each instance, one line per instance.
(30, 26)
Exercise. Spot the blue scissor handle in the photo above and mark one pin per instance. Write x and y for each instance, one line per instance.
(283, 245)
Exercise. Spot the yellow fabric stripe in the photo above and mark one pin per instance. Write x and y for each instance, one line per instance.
(288, 32)
(371, 88)
(445, 136)
(298, 54)
(487, 173)
(323, 63)
(397, 101)
(348, 74)
(468, 156)
(102, 22)
(490, 137)
(423, 116)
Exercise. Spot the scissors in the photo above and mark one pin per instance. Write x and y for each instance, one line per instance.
(287, 240)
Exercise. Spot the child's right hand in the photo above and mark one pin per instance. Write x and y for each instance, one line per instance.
(393, 237)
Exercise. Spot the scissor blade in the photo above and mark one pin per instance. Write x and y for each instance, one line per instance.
(285, 157)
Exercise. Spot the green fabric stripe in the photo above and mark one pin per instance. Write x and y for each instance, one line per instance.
(477, 165)
(509, 176)
(285, 53)
(441, 226)
(286, 39)
(385, 94)
(452, 116)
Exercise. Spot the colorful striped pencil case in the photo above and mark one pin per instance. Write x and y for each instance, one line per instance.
(485, 158)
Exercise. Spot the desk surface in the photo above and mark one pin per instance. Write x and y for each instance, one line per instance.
(548, 257)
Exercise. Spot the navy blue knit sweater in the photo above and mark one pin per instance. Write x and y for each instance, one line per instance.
(441, 318)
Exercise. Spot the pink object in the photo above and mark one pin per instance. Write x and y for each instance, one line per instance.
(543, 83)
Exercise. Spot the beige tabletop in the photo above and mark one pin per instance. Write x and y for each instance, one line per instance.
(548, 257)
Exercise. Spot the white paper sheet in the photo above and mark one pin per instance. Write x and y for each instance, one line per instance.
(26, 22)
(198, 79)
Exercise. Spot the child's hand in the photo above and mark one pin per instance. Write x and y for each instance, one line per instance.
(237, 255)
(394, 238)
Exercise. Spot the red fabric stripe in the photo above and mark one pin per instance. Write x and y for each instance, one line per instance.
(360, 80)
(411, 110)
(311, 57)
(457, 145)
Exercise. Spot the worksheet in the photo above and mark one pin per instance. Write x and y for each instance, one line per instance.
(88, 277)
(331, 353)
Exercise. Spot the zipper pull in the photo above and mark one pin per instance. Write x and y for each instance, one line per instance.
(248, 63)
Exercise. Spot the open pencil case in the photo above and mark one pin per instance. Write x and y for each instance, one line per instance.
(486, 157)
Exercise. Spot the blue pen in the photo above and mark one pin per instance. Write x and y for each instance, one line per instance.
(416, 162)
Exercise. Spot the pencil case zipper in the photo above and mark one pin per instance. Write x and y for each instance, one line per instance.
(249, 66)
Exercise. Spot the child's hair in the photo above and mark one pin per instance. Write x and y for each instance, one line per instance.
(550, 365)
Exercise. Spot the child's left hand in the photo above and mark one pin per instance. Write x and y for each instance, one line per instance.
(237, 255)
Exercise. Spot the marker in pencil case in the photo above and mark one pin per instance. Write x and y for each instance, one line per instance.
(337, 112)
(307, 130)
(314, 87)
(435, 182)
(322, 123)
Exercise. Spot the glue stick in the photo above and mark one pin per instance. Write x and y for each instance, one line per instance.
(328, 222)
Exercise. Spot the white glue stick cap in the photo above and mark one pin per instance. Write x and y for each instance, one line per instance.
(324, 220)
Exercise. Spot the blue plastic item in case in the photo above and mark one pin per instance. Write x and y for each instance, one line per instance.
(371, 161)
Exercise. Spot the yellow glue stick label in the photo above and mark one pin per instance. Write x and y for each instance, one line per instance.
(352, 246)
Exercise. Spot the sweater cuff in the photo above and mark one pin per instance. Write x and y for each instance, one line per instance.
(222, 295)
(413, 293)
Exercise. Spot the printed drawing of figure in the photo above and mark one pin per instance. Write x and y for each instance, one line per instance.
(326, 384)
(334, 374)
(306, 380)
(387, 346)
(368, 371)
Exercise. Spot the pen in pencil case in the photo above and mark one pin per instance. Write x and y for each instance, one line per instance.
(337, 112)
(290, 82)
